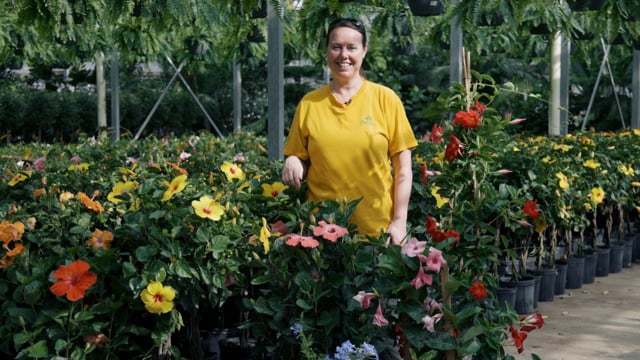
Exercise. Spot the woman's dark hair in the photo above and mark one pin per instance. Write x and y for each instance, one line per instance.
(348, 23)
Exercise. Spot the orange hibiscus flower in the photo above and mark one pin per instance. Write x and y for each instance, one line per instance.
(101, 239)
(90, 203)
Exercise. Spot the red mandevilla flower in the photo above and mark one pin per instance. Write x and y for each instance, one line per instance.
(478, 291)
(467, 119)
(478, 107)
(454, 148)
(531, 209)
(423, 171)
(436, 134)
(531, 322)
(518, 338)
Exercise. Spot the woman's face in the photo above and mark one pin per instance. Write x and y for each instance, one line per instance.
(345, 52)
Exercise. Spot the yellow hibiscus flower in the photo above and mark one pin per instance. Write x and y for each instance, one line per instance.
(564, 182)
(232, 171)
(158, 298)
(597, 195)
(208, 208)
(19, 177)
(120, 188)
(273, 190)
(177, 185)
(592, 164)
(264, 235)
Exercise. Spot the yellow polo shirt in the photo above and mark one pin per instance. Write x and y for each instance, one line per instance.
(349, 149)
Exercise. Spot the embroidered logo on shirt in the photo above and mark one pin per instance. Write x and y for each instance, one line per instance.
(368, 120)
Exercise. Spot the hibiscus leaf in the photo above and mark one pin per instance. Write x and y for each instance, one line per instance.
(158, 214)
(38, 350)
(180, 268)
(261, 279)
(21, 338)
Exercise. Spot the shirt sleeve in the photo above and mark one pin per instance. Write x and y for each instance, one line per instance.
(297, 140)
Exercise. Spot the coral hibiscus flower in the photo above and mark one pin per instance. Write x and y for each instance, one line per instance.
(73, 280)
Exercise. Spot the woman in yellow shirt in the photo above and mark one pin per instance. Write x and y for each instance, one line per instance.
(352, 139)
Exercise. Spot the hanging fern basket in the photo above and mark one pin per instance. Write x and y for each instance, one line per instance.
(426, 7)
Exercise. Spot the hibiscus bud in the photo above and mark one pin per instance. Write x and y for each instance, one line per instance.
(503, 171)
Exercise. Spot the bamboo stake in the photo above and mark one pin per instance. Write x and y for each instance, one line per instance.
(446, 298)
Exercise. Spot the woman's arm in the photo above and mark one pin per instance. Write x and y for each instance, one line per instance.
(403, 182)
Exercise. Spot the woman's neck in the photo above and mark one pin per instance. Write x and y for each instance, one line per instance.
(344, 91)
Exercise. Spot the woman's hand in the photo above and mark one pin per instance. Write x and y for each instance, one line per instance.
(294, 171)
(398, 232)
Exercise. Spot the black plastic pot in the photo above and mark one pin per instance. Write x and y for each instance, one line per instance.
(426, 7)
(547, 284)
(616, 257)
(525, 291)
(602, 263)
(561, 279)
(586, 5)
(506, 295)
(575, 272)
(589, 274)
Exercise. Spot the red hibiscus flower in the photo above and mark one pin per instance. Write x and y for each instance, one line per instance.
(73, 280)
(478, 291)
(531, 209)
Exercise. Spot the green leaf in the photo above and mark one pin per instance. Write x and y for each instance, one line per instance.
(83, 316)
(304, 281)
(180, 268)
(430, 355)
(261, 279)
(436, 340)
(128, 270)
(21, 338)
(473, 332)
(38, 350)
(145, 253)
(303, 304)
(32, 292)
(219, 244)
(261, 306)
(452, 285)
(158, 214)
(60, 345)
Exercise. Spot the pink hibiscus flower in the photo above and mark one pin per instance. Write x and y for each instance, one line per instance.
(331, 232)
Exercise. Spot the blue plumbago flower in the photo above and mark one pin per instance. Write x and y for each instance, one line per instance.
(369, 350)
(348, 351)
(296, 329)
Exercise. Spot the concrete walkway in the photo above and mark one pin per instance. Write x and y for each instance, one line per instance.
(598, 321)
